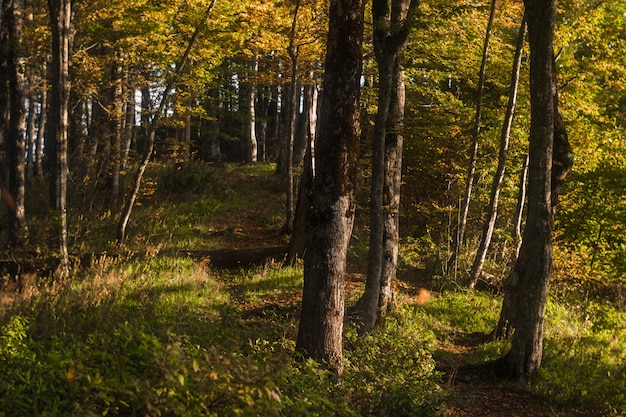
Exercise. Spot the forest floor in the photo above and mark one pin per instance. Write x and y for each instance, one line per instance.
(245, 238)
(470, 393)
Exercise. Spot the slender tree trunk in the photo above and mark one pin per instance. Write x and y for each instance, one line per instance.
(529, 278)
(41, 129)
(130, 201)
(332, 217)
(62, 38)
(129, 120)
(492, 211)
(368, 304)
(249, 99)
(471, 170)
(18, 229)
(299, 235)
(31, 134)
(562, 154)
(392, 22)
(297, 243)
(519, 208)
(291, 124)
(117, 115)
(391, 190)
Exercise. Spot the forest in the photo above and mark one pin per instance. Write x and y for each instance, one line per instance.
(313, 207)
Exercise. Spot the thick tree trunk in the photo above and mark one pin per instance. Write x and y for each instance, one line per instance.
(62, 37)
(332, 216)
(492, 211)
(16, 149)
(529, 279)
(471, 169)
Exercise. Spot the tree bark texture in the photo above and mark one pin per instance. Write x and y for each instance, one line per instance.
(58, 131)
(392, 21)
(492, 212)
(391, 189)
(16, 143)
(333, 200)
(529, 278)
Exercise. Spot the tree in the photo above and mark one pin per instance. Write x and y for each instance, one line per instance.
(392, 24)
(529, 278)
(333, 200)
(151, 131)
(471, 169)
(492, 211)
(16, 143)
(58, 122)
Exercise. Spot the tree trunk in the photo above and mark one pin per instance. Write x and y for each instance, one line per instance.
(529, 278)
(471, 170)
(16, 149)
(129, 120)
(62, 39)
(31, 134)
(492, 211)
(297, 243)
(130, 201)
(292, 114)
(332, 216)
(299, 235)
(519, 208)
(391, 190)
(41, 129)
(249, 98)
(562, 154)
(391, 28)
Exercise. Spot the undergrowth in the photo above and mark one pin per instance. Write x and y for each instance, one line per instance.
(166, 336)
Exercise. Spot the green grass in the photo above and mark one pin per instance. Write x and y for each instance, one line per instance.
(166, 335)
(584, 362)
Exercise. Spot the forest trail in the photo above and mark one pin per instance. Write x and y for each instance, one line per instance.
(250, 241)
(470, 394)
